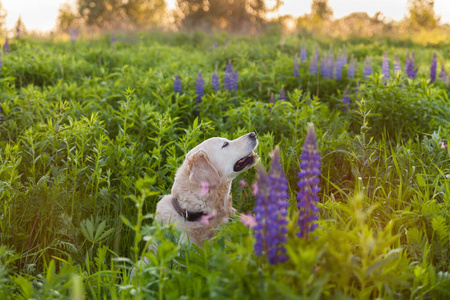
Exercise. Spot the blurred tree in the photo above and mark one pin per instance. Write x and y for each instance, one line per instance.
(2, 17)
(105, 14)
(67, 18)
(421, 14)
(231, 15)
(20, 28)
(144, 13)
(321, 10)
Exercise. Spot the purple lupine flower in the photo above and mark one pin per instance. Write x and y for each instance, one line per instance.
(303, 54)
(443, 74)
(385, 66)
(344, 55)
(215, 45)
(351, 68)
(346, 100)
(397, 66)
(234, 80)
(199, 88)
(282, 94)
(323, 66)
(228, 80)
(433, 68)
(407, 64)
(6, 46)
(177, 85)
(308, 184)
(330, 64)
(357, 89)
(113, 39)
(73, 35)
(340, 62)
(215, 81)
(271, 211)
(411, 72)
(313, 63)
(367, 67)
(296, 67)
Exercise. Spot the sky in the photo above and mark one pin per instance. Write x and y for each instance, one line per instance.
(41, 14)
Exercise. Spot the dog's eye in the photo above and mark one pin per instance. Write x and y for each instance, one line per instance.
(225, 144)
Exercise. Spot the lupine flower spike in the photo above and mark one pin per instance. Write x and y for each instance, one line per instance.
(397, 66)
(199, 88)
(309, 185)
(357, 89)
(410, 70)
(340, 62)
(313, 64)
(346, 100)
(215, 81)
(282, 94)
(73, 35)
(330, 64)
(271, 211)
(177, 85)
(443, 74)
(367, 67)
(272, 98)
(234, 80)
(351, 68)
(6, 46)
(433, 69)
(296, 67)
(228, 80)
(323, 66)
(113, 39)
(303, 54)
(385, 67)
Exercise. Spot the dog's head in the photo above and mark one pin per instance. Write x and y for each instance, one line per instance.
(218, 159)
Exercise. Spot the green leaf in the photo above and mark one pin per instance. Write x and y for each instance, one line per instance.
(420, 181)
(380, 264)
(126, 222)
(99, 230)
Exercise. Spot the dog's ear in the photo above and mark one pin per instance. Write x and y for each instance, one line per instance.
(201, 169)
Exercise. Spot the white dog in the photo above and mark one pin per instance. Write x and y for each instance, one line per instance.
(201, 189)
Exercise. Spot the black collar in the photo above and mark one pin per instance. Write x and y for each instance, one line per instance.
(187, 215)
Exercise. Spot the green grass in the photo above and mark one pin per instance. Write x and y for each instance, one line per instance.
(91, 136)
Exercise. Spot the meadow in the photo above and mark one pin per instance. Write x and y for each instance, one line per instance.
(93, 131)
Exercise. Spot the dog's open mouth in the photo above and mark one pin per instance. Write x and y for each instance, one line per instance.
(246, 161)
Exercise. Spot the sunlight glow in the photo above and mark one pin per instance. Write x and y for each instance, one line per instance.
(41, 15)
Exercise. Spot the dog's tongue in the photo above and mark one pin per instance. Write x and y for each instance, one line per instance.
(242, 160)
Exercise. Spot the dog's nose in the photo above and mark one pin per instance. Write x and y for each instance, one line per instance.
(252, 135)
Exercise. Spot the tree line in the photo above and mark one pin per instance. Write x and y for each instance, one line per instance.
(243, 16)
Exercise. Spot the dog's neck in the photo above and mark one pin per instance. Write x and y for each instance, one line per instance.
(214, 202)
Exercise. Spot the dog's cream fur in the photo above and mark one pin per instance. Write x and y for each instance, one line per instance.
(211, 163)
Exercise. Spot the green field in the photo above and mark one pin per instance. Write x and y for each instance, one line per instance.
(92, 133)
